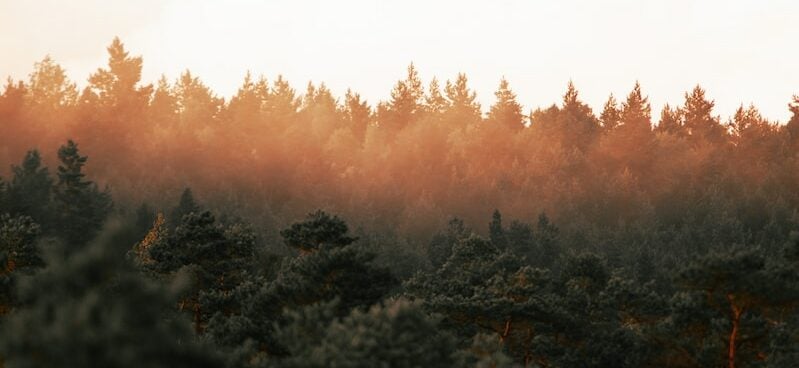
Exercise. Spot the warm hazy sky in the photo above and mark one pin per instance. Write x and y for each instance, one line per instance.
(740, 51)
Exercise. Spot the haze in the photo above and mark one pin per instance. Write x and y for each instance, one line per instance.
(740, 51)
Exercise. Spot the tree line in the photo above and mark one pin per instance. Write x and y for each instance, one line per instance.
(555, 238)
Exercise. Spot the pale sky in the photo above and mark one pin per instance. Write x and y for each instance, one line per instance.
(740, 51)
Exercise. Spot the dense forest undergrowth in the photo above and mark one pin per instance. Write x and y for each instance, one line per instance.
(162, 225)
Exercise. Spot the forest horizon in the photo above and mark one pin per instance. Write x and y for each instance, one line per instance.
(161, 225)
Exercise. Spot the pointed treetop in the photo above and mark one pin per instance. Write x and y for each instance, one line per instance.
(571, 96)
(636, 111)
(506, 110)
(611, 115)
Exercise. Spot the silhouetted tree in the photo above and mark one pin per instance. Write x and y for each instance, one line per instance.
(81, 207)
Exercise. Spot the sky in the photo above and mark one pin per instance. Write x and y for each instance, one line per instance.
(740, 51)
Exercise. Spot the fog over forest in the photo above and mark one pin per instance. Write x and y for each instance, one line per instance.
(147, 225)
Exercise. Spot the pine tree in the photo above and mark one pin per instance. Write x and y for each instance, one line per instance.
(405, 105)
(699, 122)
(19, 255)
(496, 232)
(792, 127)
(50, 90)
(317, 231)
(506, 111)
(399, 334)
(163, 110)
(575, 124)
(186, 205)
(30, 190)
(671, 121)
(435, 103)
(735, 299)
(440, 247)
(464, 110)
(335, 270)
(611, 115)
(93, 310)
(117, 86)
(217, 258)
(197, 105)
(358, 114)
(82, 207)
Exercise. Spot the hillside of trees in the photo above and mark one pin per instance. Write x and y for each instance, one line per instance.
(162, 225)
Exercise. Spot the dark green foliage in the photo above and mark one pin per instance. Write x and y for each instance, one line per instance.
(97, 312)
(3, 195)
(186, 205)
(217, 257)
(19, 255)
(344, 273)
(735, 299)
(399, 334)
(81, 208)
(440, 247)
(537, 245)
(30, 189)
(317, 231)
(18, 237)
(496, 233)
(145, 216)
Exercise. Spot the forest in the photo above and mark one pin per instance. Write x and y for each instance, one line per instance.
(160, 225)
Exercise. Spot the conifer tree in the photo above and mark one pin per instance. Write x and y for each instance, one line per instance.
(358, 114)
(117, 89)
(399, 334)
(317, 231)
(217, 258)
(506, 111)
(463, 108)
(30, 190)
(610, 116)
(435, 102)
(496, 232)
(186, 205)
(699, 122)
(92, 309)
(19, 255)
(81, 207)
(405, 104)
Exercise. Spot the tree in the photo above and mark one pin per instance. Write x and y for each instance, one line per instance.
(435, 103)
(440, 247)
(344, 273)
(792, 127)
(506, 111)
(82, 207)
(164, 107)
(405, 104)
(573, 125)
(49, 89)
(116, 87)
(611, 115)
(358, 114)
(29, 192)
(317, 231)
(197, 105)
(120, 317)
(464, 110)
(186, 205)
(734, 299)
(19, 254)
(399, 334)
(671, 121)
(496, 233)
(217, 258)
(699, 122)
